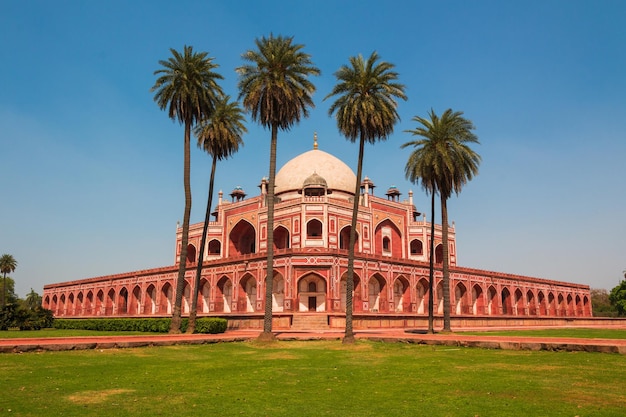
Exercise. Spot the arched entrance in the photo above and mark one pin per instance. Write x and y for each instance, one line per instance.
(149, 305)
(312, 293)
(460, 299)
(492, 303)
(478, 301)
(242, 239)
(224, 295)
(401, 295)
(507, 308)
(247, 294)
(204, 292)
(375, 294)
(422, 296)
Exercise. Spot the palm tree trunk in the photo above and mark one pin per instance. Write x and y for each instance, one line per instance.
(191, 326)
(431, 278)
(349, 333)
(267, 334)
(182, 262)
(4, 289)
(446, 272)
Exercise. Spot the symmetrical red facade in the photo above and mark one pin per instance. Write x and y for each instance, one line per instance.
(311, 235)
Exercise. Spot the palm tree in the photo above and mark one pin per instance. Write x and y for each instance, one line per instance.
(7, 266)
(219, 135)
(419, 167)
(451, 163)
(33, 300)
(187, 87)
(366, 109)
(276, 89)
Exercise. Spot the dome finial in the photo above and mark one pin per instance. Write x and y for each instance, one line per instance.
(314, 140)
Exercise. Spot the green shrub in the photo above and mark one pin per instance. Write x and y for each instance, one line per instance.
(211, 325)
(155, 325)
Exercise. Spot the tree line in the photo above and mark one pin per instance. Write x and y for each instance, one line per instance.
(25, 314)
(276, 90)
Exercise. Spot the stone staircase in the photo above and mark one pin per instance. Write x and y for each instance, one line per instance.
(310, 321)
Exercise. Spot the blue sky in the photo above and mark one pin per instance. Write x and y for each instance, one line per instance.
(91, 170)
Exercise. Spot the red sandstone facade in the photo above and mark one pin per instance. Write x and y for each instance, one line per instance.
(311, 234)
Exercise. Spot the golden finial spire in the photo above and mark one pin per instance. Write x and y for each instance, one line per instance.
(314, 140)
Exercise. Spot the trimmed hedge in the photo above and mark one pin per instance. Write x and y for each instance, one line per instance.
(211, 325)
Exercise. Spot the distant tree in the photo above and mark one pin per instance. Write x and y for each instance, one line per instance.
(454, 163)
(33, 300)
(618, 298)
(220, 136)
(7, 266)
(187, 87)
(601, 303)
(277, 91)
(366, 110)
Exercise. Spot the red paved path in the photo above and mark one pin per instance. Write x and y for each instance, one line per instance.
(387, 335)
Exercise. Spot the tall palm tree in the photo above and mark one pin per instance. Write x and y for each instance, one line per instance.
(7, 266)
(276, 89)
(219, 135)
(187, 87)
(33, 300)
(419, 168)
(365, 109)
(451, 163)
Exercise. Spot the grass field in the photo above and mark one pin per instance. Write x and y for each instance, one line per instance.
(313, 378)
(586, 333)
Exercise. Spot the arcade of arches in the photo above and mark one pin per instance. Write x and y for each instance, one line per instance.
(312, 286)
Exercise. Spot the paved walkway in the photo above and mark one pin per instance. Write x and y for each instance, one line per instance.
(385, 335)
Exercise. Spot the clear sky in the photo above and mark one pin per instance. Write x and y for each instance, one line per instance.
(91, 169)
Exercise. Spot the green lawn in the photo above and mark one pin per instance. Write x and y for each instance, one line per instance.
(313, 378)
(14, 334)
(594, 333)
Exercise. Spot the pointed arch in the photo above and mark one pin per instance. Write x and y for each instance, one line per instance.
(204, 292)
(460, 299)
(89, 306)
(242, 239)
(80, 305)
(422, 296)
(247, 293)
(224, 295)
(167, 296)
(541, 302)
(314, 229)
(376, 289)
(401, 295)
(100, 303)
(134, 305)
(312, 291)
(388, 239)
(552, 307)
(439, 254)
(493, 307)
(214, 248)
(416, 247)
(122, 301)
(478, 300)
(520, 305)
(150, 303)
(191, 254)
(531, 302)
(507, 306)
(344, 239)
(281, 238)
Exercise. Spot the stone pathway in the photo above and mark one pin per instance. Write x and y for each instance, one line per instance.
(384, 335)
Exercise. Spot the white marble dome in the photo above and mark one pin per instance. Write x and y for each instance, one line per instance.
(338, 175)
